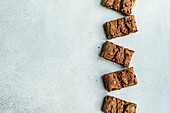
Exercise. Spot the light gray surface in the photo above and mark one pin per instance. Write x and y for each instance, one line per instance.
(49, 59)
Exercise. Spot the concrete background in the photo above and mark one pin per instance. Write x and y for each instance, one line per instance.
(49, 59)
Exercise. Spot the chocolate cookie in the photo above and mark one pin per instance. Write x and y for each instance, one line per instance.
(116, 53)
(120, 27)
(123, 6)
(119, 79)
(115, 105)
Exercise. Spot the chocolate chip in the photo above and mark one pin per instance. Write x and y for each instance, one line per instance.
(113, 88)
(134, 81)
(127, 55)
(107, 97)
(127, 71)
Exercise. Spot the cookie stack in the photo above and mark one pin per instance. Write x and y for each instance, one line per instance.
(120, 55)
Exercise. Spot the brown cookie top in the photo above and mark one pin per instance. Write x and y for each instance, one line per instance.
(115, 105)
(119, 79)
(116, 53)
(120, 27)
(123, 6)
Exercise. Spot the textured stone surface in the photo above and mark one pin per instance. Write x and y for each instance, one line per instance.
(119, 79)
(49, 56)
(120, 27)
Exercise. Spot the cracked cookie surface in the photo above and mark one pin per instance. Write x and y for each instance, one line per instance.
(116, 53)
(119, 79)
(123, 6)
(120, 27)
(115, 105)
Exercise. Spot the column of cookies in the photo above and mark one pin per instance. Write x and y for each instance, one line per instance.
(120, 55)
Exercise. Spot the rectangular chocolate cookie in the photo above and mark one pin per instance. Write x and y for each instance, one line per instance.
(116, 53)
(119, 79)
(115, 105)
(120, 27)
(123, 6)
